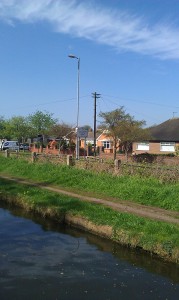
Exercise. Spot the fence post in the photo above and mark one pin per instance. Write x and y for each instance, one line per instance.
(34, 156)
(7, 153)
(69, 160)
(117, 164)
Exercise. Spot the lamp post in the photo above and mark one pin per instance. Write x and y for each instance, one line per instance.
(78, 102)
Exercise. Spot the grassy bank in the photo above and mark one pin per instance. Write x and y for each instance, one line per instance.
(147, 191)
(152, 236)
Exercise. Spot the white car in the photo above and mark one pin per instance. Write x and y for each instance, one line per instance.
(12, 145)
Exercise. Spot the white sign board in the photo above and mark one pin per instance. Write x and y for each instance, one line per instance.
(82, 133)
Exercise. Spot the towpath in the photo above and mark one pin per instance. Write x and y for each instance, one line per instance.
(150, 212)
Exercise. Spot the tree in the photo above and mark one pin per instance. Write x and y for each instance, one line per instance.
(2, 127)
(60, 130)
(87, 127)
(123, 128)
(16, 128)
(41, 123)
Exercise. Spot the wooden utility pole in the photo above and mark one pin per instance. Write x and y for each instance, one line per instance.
(95, 96)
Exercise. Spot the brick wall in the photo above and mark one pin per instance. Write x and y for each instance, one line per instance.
(154, 148)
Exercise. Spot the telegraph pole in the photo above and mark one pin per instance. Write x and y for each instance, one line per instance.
(95, 96)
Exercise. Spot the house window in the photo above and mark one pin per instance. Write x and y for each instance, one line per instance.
(143, 146)
(167, 146)
(106, 144)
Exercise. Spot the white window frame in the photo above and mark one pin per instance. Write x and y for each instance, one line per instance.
(143, 146)
(106, 144)
(167, 146)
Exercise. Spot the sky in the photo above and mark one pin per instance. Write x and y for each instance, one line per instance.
(128, 50)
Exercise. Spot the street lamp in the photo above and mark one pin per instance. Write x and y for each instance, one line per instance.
(78, 102)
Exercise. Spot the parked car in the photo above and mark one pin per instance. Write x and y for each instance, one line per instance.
(24, 146)
(11, 145)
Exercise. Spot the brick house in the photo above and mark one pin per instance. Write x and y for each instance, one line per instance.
(164, 139)
(103, 140)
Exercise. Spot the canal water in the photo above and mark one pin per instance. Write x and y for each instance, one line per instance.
(40, 259)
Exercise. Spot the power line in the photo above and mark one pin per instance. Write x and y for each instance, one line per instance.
(51, 102)
(128, 108)
(138, 101)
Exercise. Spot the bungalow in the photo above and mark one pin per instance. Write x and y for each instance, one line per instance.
(103, 141)
(164, 139)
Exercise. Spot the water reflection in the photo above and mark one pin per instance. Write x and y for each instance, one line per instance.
(43, 260)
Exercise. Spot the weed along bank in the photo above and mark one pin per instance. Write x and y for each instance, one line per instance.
(136, 211)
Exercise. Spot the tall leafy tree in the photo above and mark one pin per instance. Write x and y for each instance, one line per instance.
(41, 123)
(123, 128)
(2, 127)
(16, 128)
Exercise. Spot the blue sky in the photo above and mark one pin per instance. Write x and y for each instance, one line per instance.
(128, 49)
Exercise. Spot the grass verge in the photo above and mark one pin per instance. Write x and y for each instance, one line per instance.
(148, 191)
(156, 237)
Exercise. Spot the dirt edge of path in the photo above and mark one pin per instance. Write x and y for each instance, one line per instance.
(150, 212)
(105, 231)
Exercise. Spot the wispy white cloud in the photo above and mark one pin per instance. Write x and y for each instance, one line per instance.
(119, 29)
